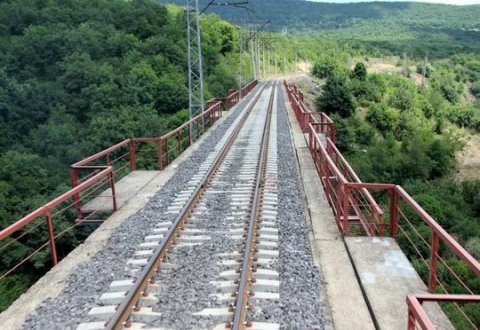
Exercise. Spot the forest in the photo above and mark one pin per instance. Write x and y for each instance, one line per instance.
(415, 28)
(76, 77)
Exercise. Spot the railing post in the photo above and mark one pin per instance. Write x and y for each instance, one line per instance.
(111, 179)
(326, 173)
(411, 319)
(346, 198)
(394, 212)
(179, 138)
(51, 236)
(310, 139)
(160, 151)
(133, 160)
(338, 208)
(76, 197)
(432, 279)
(167, 151)
(197, 134)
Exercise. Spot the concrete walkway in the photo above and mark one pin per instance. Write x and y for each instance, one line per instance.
(387, 277)
(348, 307)
(125, 189)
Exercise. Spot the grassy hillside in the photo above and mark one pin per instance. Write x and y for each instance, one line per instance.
(397, 26)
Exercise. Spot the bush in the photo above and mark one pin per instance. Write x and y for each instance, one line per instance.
(337, 97)
(383, 118)
(324, 68)
(359, 72)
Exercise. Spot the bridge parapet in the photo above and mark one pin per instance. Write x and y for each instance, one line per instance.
(398, 216)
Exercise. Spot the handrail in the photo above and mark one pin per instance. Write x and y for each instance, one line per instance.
(330, 161)
(397, 195)
(212, 108)
(43, 210)
(100, 154)
(354, 175)
(46, 210)
(417, 314)
(442, 233)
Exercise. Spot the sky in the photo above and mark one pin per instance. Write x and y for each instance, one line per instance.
(451, 2)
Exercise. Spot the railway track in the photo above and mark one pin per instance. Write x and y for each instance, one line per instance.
(204, 269)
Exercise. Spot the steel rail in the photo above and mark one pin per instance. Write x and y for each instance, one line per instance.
(240, 306)
(121, 317)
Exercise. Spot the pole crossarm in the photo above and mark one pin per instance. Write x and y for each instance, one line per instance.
(237, 4)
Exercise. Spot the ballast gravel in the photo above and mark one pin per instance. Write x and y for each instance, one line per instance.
(190, 287)
(301, 305)
(91, 279)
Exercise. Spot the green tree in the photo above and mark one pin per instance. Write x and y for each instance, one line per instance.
(359, 72)
(383, 118)
(336, 97)
(324, 67)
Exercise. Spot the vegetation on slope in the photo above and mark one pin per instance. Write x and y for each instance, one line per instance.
(77, 76)
(395, 131)
(415, 28)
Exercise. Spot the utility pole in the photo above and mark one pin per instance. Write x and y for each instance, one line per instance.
(240, 68)
(263, 62)
(195, 65)
(196, 100)
(258, 57)
(254, 61)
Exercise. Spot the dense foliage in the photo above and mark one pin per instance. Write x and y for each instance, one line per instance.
(416, 28)
(77, 76)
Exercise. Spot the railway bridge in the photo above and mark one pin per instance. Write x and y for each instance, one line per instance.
(245, 217)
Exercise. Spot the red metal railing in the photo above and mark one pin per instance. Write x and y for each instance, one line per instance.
(323, 123)
(418, 317)
(51, 211)
(232, 99)
(93, 175)
(349, 206)
(234, 95)
(439, 254)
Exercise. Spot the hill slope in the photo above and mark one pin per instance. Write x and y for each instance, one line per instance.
(386, 24)
(301, 14)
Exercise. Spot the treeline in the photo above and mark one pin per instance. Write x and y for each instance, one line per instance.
(393, 28)
(393, 130)
(77, 76)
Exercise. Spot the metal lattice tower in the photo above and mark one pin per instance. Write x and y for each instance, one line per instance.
(195, 65)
